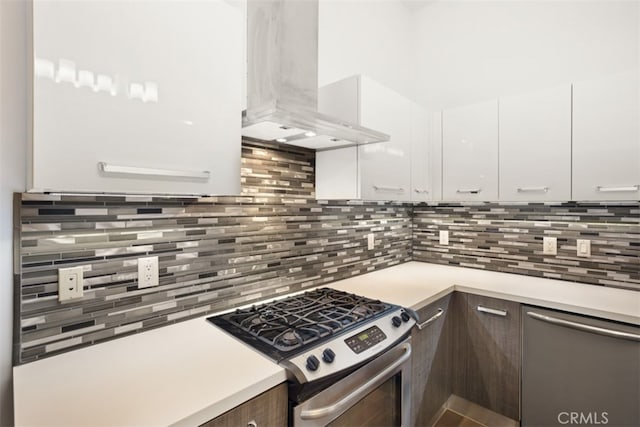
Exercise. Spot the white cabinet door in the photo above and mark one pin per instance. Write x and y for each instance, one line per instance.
(152, 89)
(385, 167)
(435, 154)
(535, 146)
(606, 138)
(421, 183)
(470, 152)
(379, 171)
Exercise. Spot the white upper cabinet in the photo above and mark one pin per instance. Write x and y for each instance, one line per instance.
(470, 152)
(385, 166)
(606, 138)
(421, 182)
(137, 97)
(535, 146)
(377, 171)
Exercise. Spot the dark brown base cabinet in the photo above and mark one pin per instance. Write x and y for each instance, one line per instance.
(487, 353)
(268, 409)
(432, 363)
(471, 350)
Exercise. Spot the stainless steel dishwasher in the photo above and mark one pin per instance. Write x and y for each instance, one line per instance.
(578, 370)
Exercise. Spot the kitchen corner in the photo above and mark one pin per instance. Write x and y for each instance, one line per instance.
(191, 372)
(283, 213)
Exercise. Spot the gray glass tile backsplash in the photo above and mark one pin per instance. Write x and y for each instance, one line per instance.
(220, 252)
(214, 253)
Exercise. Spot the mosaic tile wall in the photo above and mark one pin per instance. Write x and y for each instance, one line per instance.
(508, 238)
(215, 253)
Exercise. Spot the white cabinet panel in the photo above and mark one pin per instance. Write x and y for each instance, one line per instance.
(421, 183)
(337, 174)
(435, 154)
(379, 171)
(385, 167)
(535, 146)
(150, 85)
(470, 152)
(606, 138)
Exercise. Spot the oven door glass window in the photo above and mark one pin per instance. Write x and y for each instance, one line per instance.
(381, 407)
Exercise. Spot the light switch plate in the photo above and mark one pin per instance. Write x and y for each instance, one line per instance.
(444, 237)
(70, 283)
(583, 248)
(370, 241)
(550, 245)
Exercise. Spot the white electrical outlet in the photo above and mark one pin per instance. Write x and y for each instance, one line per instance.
(444, 237)
(70, 283)
(550, 245)
(583, 248)
(148, 272)
(370, 241)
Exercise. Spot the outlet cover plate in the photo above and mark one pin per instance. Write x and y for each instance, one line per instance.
(550, 245)
(148, 272)
(70, 283)
(583, 248)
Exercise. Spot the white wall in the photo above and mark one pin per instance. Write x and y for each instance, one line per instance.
(467, 51)
(13, 138)
(370, 37)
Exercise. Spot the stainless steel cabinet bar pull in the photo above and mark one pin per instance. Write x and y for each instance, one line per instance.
(582, 327)
(360, 392)
(133, 170)
(432, 319)
(532, 189)
(384, 188)
(469, 191)
(624, 188)
(417, 190)
(487, 310)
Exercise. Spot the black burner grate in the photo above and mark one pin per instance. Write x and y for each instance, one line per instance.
(300, 320)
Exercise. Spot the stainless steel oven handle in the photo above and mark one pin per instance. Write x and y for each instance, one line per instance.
(360, 392)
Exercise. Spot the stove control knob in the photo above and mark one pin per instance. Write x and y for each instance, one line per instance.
(312, 363)
(396, 321)
(328, 355)
(405, 316)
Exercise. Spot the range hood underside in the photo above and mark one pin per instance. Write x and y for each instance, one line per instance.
(306, 128)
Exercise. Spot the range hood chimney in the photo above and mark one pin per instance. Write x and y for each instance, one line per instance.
(282, 80)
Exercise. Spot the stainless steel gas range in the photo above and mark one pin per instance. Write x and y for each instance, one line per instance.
(347, 356)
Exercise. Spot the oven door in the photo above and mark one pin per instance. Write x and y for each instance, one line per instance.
(377, 394)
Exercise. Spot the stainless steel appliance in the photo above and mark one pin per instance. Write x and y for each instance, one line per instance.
(578, 370)
(348, 357)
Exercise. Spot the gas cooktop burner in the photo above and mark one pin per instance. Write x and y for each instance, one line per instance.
(319, 336)
(298, 321)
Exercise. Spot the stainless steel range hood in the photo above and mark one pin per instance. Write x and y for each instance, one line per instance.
(282, 79)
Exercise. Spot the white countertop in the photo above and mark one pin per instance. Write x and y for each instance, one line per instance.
(188, 373)
(416, 284)
(183, 374)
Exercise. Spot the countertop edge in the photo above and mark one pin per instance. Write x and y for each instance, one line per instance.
(222, 406)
